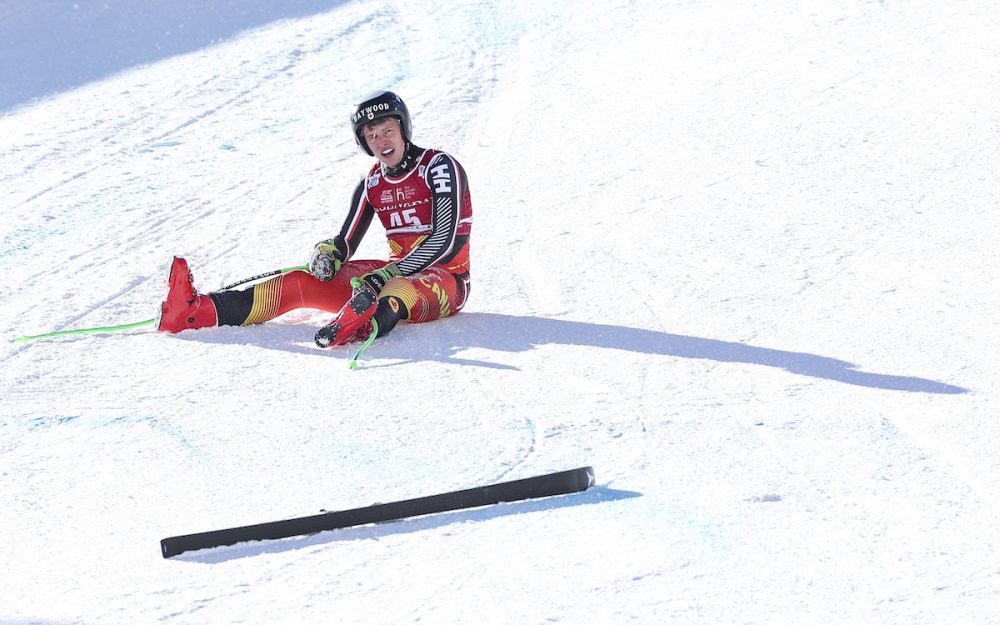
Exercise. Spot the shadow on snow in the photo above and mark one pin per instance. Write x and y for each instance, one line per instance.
(48, 47)
(509, 333)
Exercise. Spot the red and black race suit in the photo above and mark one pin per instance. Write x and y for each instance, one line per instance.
(426, 213)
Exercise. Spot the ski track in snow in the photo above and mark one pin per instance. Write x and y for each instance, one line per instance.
(734, 257)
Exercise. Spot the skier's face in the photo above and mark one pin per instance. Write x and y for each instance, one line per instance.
(385, 139)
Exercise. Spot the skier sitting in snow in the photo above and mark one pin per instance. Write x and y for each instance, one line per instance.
(422, 198)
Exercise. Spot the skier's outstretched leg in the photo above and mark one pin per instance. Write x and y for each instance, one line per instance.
(185, 309)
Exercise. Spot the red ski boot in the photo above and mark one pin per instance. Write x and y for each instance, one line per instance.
(353, 322)
(184, 308)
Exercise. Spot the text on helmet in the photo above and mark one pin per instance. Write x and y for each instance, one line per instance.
(370, 111)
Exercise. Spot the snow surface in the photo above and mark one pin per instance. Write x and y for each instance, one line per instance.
(740, 257)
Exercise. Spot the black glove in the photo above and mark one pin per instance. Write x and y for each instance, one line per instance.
(326, 260)
(377, 279)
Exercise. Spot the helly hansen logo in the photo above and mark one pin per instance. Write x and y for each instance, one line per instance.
(441, 178)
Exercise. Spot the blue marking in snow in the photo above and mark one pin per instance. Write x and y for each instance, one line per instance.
(157, 424)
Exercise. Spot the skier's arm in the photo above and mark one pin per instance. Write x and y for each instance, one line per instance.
(447, 181)
(359, 217)
(329, 254)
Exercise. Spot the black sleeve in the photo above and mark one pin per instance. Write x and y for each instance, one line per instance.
(359, 217)
(446, 180)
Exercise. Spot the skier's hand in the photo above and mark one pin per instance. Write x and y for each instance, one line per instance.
(377, 279)
(326, 260)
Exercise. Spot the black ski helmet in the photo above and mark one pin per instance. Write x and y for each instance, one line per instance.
(375, 105)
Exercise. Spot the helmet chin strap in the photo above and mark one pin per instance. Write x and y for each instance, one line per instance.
(405, 165)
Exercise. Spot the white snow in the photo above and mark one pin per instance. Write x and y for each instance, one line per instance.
(740, 257)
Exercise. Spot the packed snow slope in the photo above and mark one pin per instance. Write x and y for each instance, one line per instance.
(740, 257)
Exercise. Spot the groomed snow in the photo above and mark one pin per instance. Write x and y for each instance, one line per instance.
(739, 257)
